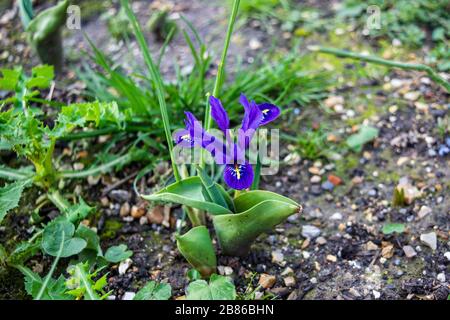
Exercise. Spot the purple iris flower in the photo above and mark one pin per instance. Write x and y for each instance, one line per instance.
(238, 173)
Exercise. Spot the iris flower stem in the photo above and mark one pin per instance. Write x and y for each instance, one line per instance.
(157, 81)
(220, 71)
(388, 63)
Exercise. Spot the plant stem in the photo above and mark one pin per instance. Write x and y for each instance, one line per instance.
(111, 130)
(389, 63)
(58, 200)
(97, 170)
(12, 174)
(220, 70)
(157, 81)
(52, 269)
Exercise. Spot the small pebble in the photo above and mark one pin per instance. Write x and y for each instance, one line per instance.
(125, 209)
(441, 277)
(278, 257)
(409, 251)
(336, 216)
(429, 239)
(321, 241)
(289, 281)
(327, 185)
(310, 231)
(128, 296)
(266, 280)
(376, 294)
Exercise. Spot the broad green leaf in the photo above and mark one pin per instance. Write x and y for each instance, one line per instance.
(10, 79)
(389, 228)
(79, 211)
(196, 247)
(41, 77)
(47, 22)
(212, 189)
(248, 199)
(10, 196)
(118, 253)
(189, 192)
(61, 230)
(198, 290)
(236, 232)
(219, 288)
(91, 238)
(154, 291)
(222, 288)
(364, 135)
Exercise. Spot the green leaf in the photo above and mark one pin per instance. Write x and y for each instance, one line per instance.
(41, 77)
(236, 232)
(79, 211)
(189, 192)
(24, 251)
(389, 228)
(10, 196)
(91, 238)
(365, 134)
(81, 282)
(10, 79)
(47, 23)
(193, 274)
(53, 235)
(248, 199)
(118, 253)
(219, 288)
(154, 291)
(55, 290)
(196, 247)
(212, 189)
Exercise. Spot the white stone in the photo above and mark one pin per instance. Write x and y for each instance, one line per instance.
(441, 277)
(124, 265)
(310, 231)
(376, 294)
(336, 216)
(424, 211)
(409, 251)
(429, 239)
(128, 296)
(277, 257)
(447, 255)
(306, 255)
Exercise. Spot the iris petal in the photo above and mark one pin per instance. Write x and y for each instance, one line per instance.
(219, 114)
(238, 176)
(270, 112)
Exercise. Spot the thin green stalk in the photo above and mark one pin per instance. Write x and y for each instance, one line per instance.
(156, 77)
(110, 130)
(98, 169)
(220, 70)
(58, 200)
(52, 269)
(388, 63)
(12, 174)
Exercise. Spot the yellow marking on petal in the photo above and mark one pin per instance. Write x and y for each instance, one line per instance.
(238, 172)
(265, 111)
(185, 137)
